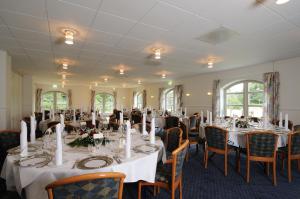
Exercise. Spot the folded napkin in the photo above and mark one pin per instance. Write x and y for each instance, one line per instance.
(58, 152)
(93, 119)
(280, 120)
(144, 125)
(128, 140)
(152, 132)
(210, 119)
(62, 122)
(286, 122)
(23, 139)
(121, 118)
(202, 118)
(32, 128)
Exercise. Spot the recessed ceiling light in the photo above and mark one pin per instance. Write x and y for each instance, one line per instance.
(157, 53)
(121, 71)
(65, 65)
(280, 2)
(209, 93)
(105, 79)
(139, 82)
(188, 94)
(163, 76)
(69, 37)
(54, 86)
(152, 96)
(210, 65)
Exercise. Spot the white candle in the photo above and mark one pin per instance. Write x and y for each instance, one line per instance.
(93, 119)
(144, 124)
(202, 119)
(286, 122)
(121, 118)
(207, 116)
(280, 120)
(32, 129)
(210, 119)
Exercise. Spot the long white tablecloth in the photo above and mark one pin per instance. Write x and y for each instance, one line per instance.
(34, 180)
(237, 136)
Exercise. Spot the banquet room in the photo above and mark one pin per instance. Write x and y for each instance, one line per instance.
(149, 99)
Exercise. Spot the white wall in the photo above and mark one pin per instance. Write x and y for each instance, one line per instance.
(198, 86)
(16, 100)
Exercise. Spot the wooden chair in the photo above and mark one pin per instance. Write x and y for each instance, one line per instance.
(171, 121)
(292, 152)
(173, 140)
(89, 186)
(193, 132)
(297, 128)
(261, 146)
(169, 178)
(216, 141)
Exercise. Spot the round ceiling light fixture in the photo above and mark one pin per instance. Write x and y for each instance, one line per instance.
(280, 2)
(65, 65)
(157, 53)
(69, 36)
(163, 76)
(210, 64)
(121, 71)
(139, 82)
(105, 79)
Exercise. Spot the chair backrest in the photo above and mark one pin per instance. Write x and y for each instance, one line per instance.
(89, 186)
(297, 127)
(171, 122)
(185, 132)
(216, 137)
(178, 157)
(261, 144)
(173, 139)
(193, 122)
(294, 143)
(51, 124)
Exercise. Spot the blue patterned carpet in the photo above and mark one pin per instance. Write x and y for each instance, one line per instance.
(211, 183)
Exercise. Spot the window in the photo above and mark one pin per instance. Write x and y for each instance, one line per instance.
(104, 102)
(138, 100)
(54, 100)
(244, 98)
(169, 100)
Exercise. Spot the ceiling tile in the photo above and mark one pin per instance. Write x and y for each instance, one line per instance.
(4, 31)
(163, 16)
(103, 37)
(125, 8)
(91, 4)
(70, 13)
(44, 46)
(113, 24)
(132, 44)
(28, 35)
(8, 42)
(146, 32)
(24, 21)
(31, 7)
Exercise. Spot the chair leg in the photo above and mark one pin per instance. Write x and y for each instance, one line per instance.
(298, 164)
(173, 193)
(225, 165)
(289, 163)
(180, 189)
(154, 190)
(282, 162)
(267, 168)
(139, 190)
(238, 160)
(206, 158)
(274, 173)
(248, 171)
(197, 148)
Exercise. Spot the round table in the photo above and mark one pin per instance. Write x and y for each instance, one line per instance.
(140, 166)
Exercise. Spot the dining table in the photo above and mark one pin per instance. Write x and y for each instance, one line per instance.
(31, 179)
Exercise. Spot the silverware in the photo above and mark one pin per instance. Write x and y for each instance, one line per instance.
(117, 159)
(75, 163)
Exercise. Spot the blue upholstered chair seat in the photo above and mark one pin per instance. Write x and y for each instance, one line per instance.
(193, 134)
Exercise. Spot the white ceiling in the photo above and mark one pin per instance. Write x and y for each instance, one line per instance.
(114, 32)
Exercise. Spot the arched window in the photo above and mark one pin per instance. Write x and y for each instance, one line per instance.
(138, 100)
(169, 100)
(54, 100)
(104, 102)
(244, 98)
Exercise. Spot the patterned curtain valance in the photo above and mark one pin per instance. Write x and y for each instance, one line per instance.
(70, 98)
(216, 99)
(144, 98)
(271, 84)
(178, 91)
(115, 99)
(161, 98)
(38, 100)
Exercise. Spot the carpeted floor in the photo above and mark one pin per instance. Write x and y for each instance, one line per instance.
(211, 183)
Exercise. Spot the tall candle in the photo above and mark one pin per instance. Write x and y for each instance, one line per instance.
(121, 118)
(23, 139)
(58, 152)
(144, 124)
(93, 119)
(152, 132)
(128, 140)
(286, 122)
(280, 120)
(202, 119)
(32, 129)
(210, 119)
(185, 113)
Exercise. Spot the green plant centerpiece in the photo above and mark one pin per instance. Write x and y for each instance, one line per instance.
(242, 123)
(87, 138)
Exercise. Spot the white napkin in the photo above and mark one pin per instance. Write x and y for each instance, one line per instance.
(121, 118)
(280, 120)
(74, 116)
(207, 116)
(152, 132)
(62, 121)
(58, 152)
(93, 119)
(144, 125)
(210, 119)
(23, 139)
(32, 128)
(128, 140)
(286, 122)
(202, 119)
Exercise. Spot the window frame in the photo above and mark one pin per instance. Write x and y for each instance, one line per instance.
(166, 101)
(245, 93)
(104, 101)
(54, 105)
(138, 102)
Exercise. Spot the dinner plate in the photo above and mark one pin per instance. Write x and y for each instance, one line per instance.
(36, 160)
(94, 162)
(16, 150)
(146, 148)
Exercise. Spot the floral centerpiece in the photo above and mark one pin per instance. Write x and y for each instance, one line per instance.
(242, 123)
(86, 138)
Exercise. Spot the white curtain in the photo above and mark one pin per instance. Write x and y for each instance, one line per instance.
(70, 98)
(161, 98)
(115, 99)
(38, 100)
(178, 91)
(216, 99)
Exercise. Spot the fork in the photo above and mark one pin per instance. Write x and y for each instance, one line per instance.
(75, 163)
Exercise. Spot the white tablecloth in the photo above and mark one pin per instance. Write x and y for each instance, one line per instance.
(34, 180)
(237, 136)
